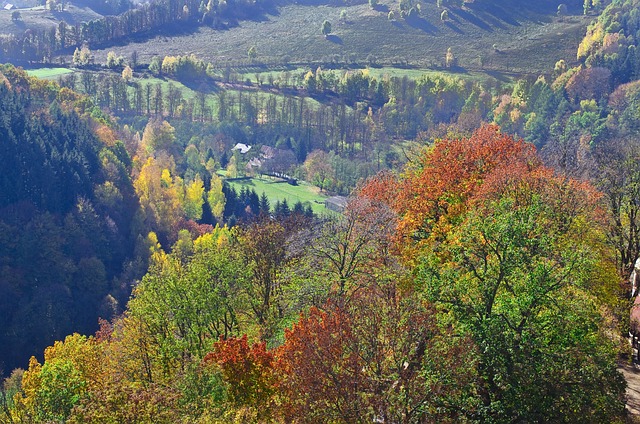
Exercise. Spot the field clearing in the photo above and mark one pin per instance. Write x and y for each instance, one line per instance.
(187, 93)
(256, 95)
(514, 37)
(49, 73)
(37, 17)
(384, 72)
(279, 191)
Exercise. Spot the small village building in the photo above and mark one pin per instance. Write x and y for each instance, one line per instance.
(336, 203)
(243, 148)
(253, 164)
(267, 152)
(9, 6)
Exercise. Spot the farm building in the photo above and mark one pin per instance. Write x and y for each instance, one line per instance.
(243, 148)
(267, 152)
(336, 203)
(254, 163)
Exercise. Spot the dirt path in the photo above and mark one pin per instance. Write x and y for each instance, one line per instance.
(632, 375)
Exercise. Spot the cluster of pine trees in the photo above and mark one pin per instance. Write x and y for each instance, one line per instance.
(65, 212)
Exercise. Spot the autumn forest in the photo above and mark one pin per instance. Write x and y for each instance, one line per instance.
(171, 252)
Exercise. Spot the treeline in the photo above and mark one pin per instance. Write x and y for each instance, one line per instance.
(41, 45)
(442, 295)
(612, 41)
(352, 114)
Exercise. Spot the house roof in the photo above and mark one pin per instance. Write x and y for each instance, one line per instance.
(338, 201)
(242, 147)
(267, 152)
(9, 6)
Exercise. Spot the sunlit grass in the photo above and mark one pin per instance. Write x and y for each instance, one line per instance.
(277, 190)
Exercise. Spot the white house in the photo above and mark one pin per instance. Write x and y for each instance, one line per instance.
(242, 147)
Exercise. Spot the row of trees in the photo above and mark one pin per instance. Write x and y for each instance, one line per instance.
(40, 45)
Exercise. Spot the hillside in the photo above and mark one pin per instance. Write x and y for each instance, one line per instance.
(529, 39)
(66, 222)
(517, 36)
(479, 271)
(37, 18)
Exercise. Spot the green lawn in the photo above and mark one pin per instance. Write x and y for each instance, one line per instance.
(278, 191)
(187, 93)
(387, 71)
(48, 73)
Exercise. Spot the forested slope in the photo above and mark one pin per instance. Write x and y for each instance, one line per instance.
(66, 203)
(483, 280)
(478, 287)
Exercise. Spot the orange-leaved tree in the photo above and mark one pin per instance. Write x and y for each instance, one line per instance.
(433, 193)
(375, 357)
(511, 255)
(248, 372)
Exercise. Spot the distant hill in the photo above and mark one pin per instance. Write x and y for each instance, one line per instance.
(514, 36)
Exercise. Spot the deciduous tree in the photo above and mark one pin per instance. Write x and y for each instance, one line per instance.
(248, 371)
(194, 199)
(326, 28)
(318, 168)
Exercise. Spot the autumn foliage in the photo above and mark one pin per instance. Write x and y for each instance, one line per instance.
(435, 193)
(474, 287)
(372, 358)
(321, 372)
(248, 371)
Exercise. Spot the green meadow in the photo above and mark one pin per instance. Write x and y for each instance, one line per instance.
(278, 190)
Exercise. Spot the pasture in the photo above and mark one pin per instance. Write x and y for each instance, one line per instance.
(48, 73)
(278, 190)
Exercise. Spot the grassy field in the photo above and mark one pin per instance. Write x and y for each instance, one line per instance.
(48, 73)
(212, 102)
(527, 36)
(388, 71)
(37, 17)
(278, 191)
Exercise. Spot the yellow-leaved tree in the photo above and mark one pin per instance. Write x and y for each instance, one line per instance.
(215, 197)
(194, 199)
